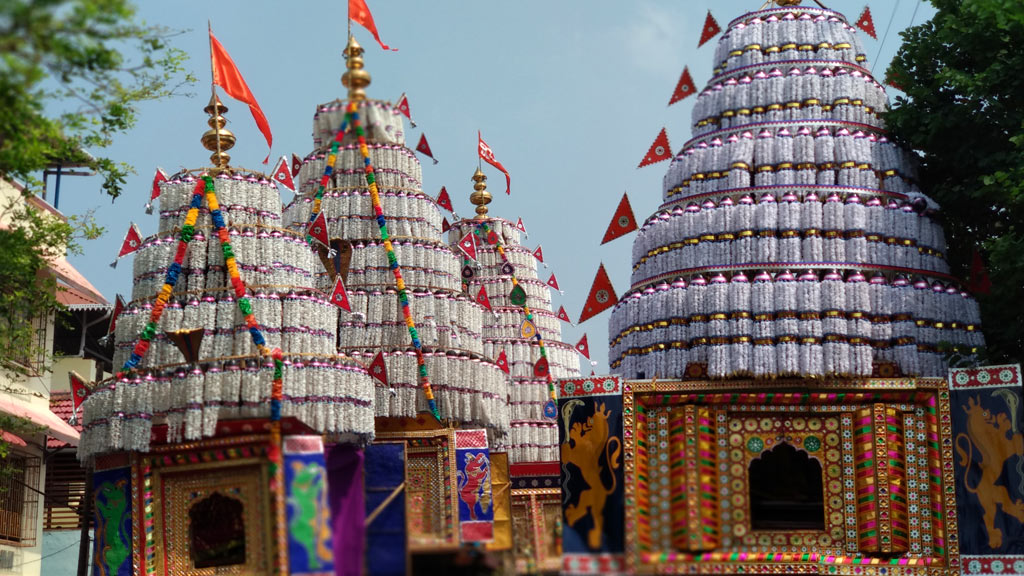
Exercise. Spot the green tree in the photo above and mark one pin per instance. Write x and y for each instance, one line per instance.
(964, 114)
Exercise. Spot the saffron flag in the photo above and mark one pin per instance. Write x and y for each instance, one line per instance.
(711, 28)
(227, 76)
(684, 88)
(317, 230)
(296, 165)
(538, 254)
(424, 148)
(359, 13)
(445, 201)
(482, 299)
(159, 177)
(468, 246)
(602, 296)
(339, 297)
(119, 307)
(403, 107)
(488, 156)
(521, 227)
(378, 369)
(553, 282)
(502, 362)
(562, 315)
(283, 174)
(583, 348)
(867, 23)
(659, 151)
(980, 282)
(623, 221)
(79, 391)
(132, 242)
(445, 225)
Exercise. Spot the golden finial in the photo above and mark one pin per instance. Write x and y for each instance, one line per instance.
(480, 196)
(356, 78)
(218, 139)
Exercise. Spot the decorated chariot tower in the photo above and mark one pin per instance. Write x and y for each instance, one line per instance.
(208, 444)
(786, 326)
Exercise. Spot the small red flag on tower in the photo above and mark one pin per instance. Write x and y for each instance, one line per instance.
(283, 175)
(711, 29)
(660, 150)
(521, 227)
(553, 282)
(684, 88)
(562, 315)
(487, 155)
(445, 225)
(602, 296)
(296, 165)
(424, 148)
(468, 246)
(403, 107)
(79, 391)
(482, 299)
(583, 348)
(867, 23)
(445, 201)
(980, 282)
(378, 369)
(132, 242)
(623, 221)
(159, 177)
(359, 13)
(539, 254)
(502, 362)
(119, 307)
(317, 230)
(339, 297)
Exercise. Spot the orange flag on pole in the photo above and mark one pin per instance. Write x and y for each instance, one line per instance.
(227, 76)
(359, 13)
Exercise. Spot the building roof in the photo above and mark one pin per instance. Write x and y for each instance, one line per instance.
(61, 406)
(87, 294)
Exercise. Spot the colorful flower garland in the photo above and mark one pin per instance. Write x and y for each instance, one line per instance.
(484, 231)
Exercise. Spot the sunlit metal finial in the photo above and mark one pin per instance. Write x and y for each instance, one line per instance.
(356, 79)
(480, 196)
(217, 139)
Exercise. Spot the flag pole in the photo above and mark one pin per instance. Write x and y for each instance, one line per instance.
(213, 84)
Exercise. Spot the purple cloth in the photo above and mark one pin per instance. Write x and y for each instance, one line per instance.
(348, 513)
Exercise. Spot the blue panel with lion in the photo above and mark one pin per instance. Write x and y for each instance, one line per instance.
(309, 517)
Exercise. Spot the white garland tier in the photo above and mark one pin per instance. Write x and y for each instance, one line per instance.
(469, 388)
(534, 438)
(331, 393)
(793, 239)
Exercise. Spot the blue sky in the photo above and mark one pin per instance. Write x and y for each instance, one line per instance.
(568, 94)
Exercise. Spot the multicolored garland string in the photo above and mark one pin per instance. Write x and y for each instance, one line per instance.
(325, 178)
(206, 185)
(484, 231)
(352, 116)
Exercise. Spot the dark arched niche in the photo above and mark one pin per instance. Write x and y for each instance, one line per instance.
(786, 491)
(216, 531)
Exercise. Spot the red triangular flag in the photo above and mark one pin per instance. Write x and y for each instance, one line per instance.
(659, 151)
(583, 348)
(132, 242)
(487, 154)
(359, 13)
(538, 254)
(521, 227)
(445, 225)
(553, 282)
(502, 362)
(317, 230)
(445, 201)
(562, 315)
(339, 297)
(159, 177)
(424, 148)
(623, 221)
(227, 76)
(119, 307)
(482, 299)
(867, 23)
(711, 28)
(684, 88)
(283, 175)
(79, 391)
(541, 368)
(296, 165)
(378, 369)
(980, 282)
(468, 246)
(403, 107)
(602, 296)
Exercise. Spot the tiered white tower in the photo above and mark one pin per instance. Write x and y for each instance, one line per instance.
(534, 437)
(793, 239)
(468, 386)
(226, 378)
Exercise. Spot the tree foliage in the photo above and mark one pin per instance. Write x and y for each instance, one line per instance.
(963, 75)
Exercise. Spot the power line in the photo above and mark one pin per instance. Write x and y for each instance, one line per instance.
(888, 27)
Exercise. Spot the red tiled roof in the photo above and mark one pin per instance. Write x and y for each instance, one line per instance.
(72, 278)
(60, 404)
(76, 299)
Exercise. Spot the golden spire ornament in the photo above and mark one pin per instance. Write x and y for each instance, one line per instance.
(356, 79)
(480, 196)
(218, 139)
